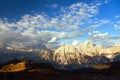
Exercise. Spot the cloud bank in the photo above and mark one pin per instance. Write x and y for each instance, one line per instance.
(72, 22)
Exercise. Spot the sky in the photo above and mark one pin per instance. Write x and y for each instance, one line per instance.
(57, 22)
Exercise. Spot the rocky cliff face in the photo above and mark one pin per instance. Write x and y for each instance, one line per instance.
(13, 66)
(111, 52)
(90, 49)
(86, 52)
(67, 54)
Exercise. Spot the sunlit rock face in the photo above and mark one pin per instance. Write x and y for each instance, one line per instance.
(15, 66)
(67, 54)
(101, 66)
(86, 53)
(88, 48)
(111, 51)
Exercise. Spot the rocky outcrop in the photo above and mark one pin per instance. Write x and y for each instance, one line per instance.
(86, 52)
(101, 66)
(17, 65)
(90, 49)
(111, 52)
(67, 54)
(13, 66)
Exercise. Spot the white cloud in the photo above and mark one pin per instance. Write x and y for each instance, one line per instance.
(41, 28)
(115, 37)
(96, 35)
(104, 39)
(117, 26)
(117, 43)
(52, 40)
(96, 25)
(75, 42)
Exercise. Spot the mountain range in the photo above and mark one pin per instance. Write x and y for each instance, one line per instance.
(85, 54)
(68, 56)
(86, 61)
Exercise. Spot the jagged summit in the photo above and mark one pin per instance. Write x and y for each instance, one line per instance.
(86, 52)
(87, 44)
(67, 54)
(88, 48)
(66, 49)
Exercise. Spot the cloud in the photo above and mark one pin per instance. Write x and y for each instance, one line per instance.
(75, 42)
(96, 35)
(100, 38)
(44, 29)
(52, 40)
(117, 43)
(96, 25)
(104, 39)
(115, 37)
(12, 39)
(117, 26)
(52, 6)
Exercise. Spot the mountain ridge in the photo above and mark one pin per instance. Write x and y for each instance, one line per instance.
(86, 54)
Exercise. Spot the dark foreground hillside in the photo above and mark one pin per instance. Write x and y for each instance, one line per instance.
(44, 71)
